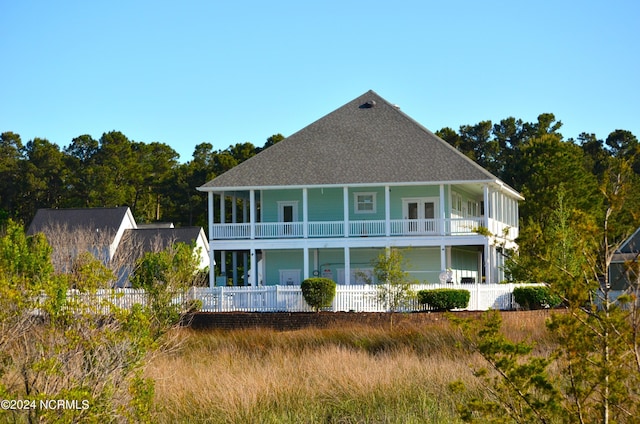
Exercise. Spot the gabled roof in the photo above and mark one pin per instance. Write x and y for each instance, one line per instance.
(368, 140)
(632, 244)
(108, 220)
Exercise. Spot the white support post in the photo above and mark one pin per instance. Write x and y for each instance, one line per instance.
(387, 211)
(223, 253)
(487, 205)
(447, 250)
(305, 272)
(305, 213)
(443, 258)
(488, 262)
(345, 207)
(212, 261)
(442, 212)
(347, 266)
(252, 212)
(254, 268)
(234, 254)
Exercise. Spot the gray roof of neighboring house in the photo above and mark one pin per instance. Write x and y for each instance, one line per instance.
(148, 236)
(368, 140)
(139, 241)
(632, 244)
(103, 219)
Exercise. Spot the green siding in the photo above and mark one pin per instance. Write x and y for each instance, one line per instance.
(269, 203)
(399, 193)
(423, 264)
(325, 204)
(464, 259)
(282, 259)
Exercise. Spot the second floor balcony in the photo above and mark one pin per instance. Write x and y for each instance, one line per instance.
(359, 228)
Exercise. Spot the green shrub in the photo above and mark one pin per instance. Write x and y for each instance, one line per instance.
(539, 297)
(444, 299)
(318, 292)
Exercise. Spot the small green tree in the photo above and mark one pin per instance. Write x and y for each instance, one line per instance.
(165, 276)
(394, 284)
(318, 292)
(596, 364)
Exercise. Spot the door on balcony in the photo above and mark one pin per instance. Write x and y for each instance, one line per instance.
(420, 215)
(287, 215)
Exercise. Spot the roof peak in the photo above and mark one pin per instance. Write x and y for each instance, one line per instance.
(368, 140)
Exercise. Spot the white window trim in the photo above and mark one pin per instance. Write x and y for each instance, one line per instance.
(373, 195)
(293, 204)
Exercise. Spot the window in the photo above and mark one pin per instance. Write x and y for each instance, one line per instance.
(365, 202)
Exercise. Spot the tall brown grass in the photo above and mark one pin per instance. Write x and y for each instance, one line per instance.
(341, 375)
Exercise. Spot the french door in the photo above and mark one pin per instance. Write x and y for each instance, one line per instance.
(420, 215)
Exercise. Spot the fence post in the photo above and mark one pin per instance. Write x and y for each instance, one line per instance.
(221, 299)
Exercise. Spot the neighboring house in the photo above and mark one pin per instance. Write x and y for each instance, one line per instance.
(330, 198)
(111, 235)
(621, 272)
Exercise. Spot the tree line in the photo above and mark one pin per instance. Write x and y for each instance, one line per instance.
(532, 157)
(112, 171)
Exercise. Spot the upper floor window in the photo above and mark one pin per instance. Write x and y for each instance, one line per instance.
(365, 202)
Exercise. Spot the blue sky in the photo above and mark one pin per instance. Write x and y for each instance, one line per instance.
(188, 72)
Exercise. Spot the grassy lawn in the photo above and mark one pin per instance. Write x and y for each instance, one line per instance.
(340, 375)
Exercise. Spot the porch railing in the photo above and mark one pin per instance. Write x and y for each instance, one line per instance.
(361, 228)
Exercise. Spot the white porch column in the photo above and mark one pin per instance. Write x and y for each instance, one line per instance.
(487, 205)
(345, 207)
(305, 272)
(305, 214)
(252, 213)
(442, 212)
(254, 268)
(387, 211)
(234, 254)
(443, 257)
(223, 253)
(488, 262)
(347, 266)
(479, 276)
(447, 255)
(212, 261)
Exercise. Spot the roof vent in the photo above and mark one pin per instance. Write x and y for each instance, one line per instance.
(368, 105)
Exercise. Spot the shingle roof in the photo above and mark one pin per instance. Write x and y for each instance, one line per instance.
(88, 219)
(147, 237)
(136, 242)
(368, 140)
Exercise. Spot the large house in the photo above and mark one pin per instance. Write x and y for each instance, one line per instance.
(112, 236)
(329, 199)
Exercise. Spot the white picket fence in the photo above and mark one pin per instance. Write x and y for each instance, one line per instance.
(352, 298)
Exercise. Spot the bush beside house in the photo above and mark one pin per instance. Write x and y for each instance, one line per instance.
(445, 299)
(539, 297)
(318, 292)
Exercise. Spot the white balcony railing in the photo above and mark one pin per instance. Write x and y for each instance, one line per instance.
(361, 228)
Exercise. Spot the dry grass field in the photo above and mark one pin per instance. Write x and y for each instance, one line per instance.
(352, 374)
